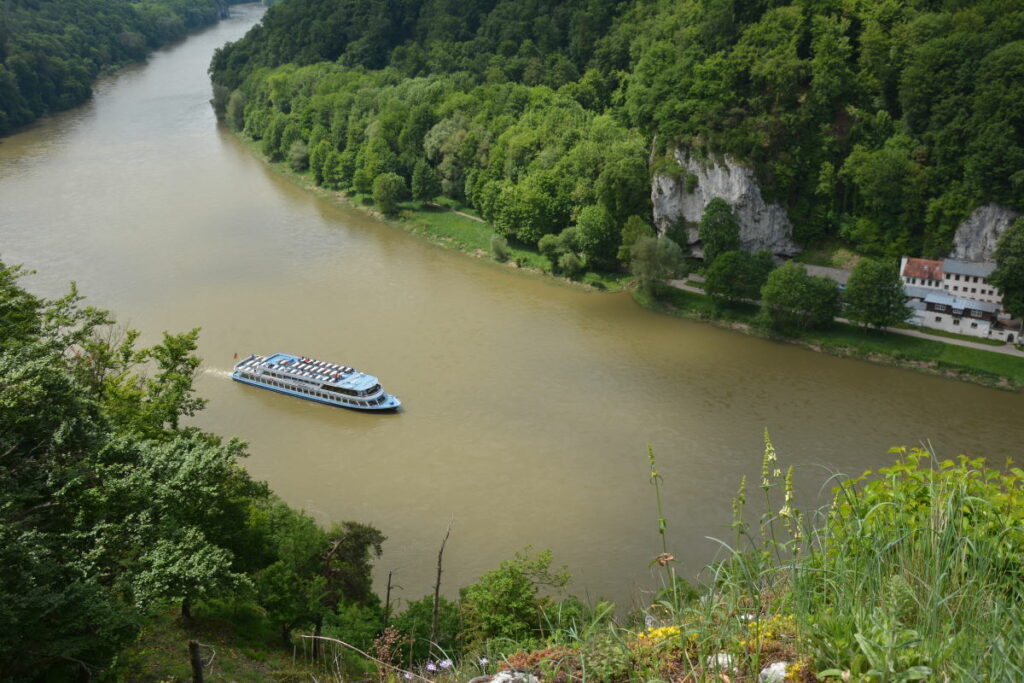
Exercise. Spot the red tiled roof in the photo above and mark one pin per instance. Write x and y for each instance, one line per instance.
(923, 268)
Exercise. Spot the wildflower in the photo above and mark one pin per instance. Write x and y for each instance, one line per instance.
(445, 663)
(407, 676)
(431, 666)
(484, 661)
(664, 558)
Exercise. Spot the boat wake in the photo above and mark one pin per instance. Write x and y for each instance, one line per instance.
(217, 372)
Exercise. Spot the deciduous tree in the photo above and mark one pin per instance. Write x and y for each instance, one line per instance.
(738, 275)
(874, 294)
(655, 260)
(719, 230)
(793, 300)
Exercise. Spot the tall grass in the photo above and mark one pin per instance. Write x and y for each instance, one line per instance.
(913, 573)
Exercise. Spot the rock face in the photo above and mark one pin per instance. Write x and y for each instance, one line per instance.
(762, 226)
(976, 237)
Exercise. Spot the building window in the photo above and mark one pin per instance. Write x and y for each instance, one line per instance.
(956, 321)
(939, 307)
(974, 325)
(974, 290)
(938, 318)
(955, 288)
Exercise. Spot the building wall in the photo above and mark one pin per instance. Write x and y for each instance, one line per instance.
(961, 325)
(971, 287)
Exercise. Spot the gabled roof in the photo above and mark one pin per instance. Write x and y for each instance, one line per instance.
(923, 268)
(971, 268)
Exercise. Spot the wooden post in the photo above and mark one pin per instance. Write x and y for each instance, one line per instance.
(197, 661)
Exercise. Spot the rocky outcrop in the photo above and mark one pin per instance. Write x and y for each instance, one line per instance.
(976, 237)
(684, 195)
(507, 676)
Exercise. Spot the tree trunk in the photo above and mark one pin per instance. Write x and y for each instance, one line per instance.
(437, 588)
(286, 636)
(387, 600)
(186, 609)
(317, 626)
(197, 661)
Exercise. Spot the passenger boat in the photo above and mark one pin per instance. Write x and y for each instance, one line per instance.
(316, 380)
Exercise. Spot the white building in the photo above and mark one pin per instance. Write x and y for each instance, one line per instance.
(970, 281)
(955, 296)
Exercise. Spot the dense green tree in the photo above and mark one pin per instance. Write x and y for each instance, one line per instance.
(793, 300)
(597, 235)
(425, 184)
(654, 260)
(388, 190)
(719, 231)
(1008, 276)
(738, 275)
(298, 156)
(874, 294)
(634, 228)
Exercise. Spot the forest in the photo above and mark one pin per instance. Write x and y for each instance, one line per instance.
(52, 50)
(882, 124)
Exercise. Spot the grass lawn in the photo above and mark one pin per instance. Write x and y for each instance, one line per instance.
(986, 366)
(951, 335)
(829, 253)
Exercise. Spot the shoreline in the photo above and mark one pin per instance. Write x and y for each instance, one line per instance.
(841, 341)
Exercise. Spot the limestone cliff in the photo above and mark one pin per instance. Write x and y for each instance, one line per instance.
(684, 195)
(976, 237)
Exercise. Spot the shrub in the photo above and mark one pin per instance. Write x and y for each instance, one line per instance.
(499, 247)
(388, 190)
(504, 602)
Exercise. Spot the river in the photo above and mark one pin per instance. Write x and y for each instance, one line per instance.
(529, 403)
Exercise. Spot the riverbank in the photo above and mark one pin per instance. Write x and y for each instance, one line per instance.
(447, 224)
(447, 227)
(930, 356)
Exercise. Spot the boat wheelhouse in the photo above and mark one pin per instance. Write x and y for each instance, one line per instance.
(316, 380)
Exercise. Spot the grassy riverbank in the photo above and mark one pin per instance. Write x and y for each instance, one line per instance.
(931, 356)
(446, 226)
(449, 225)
